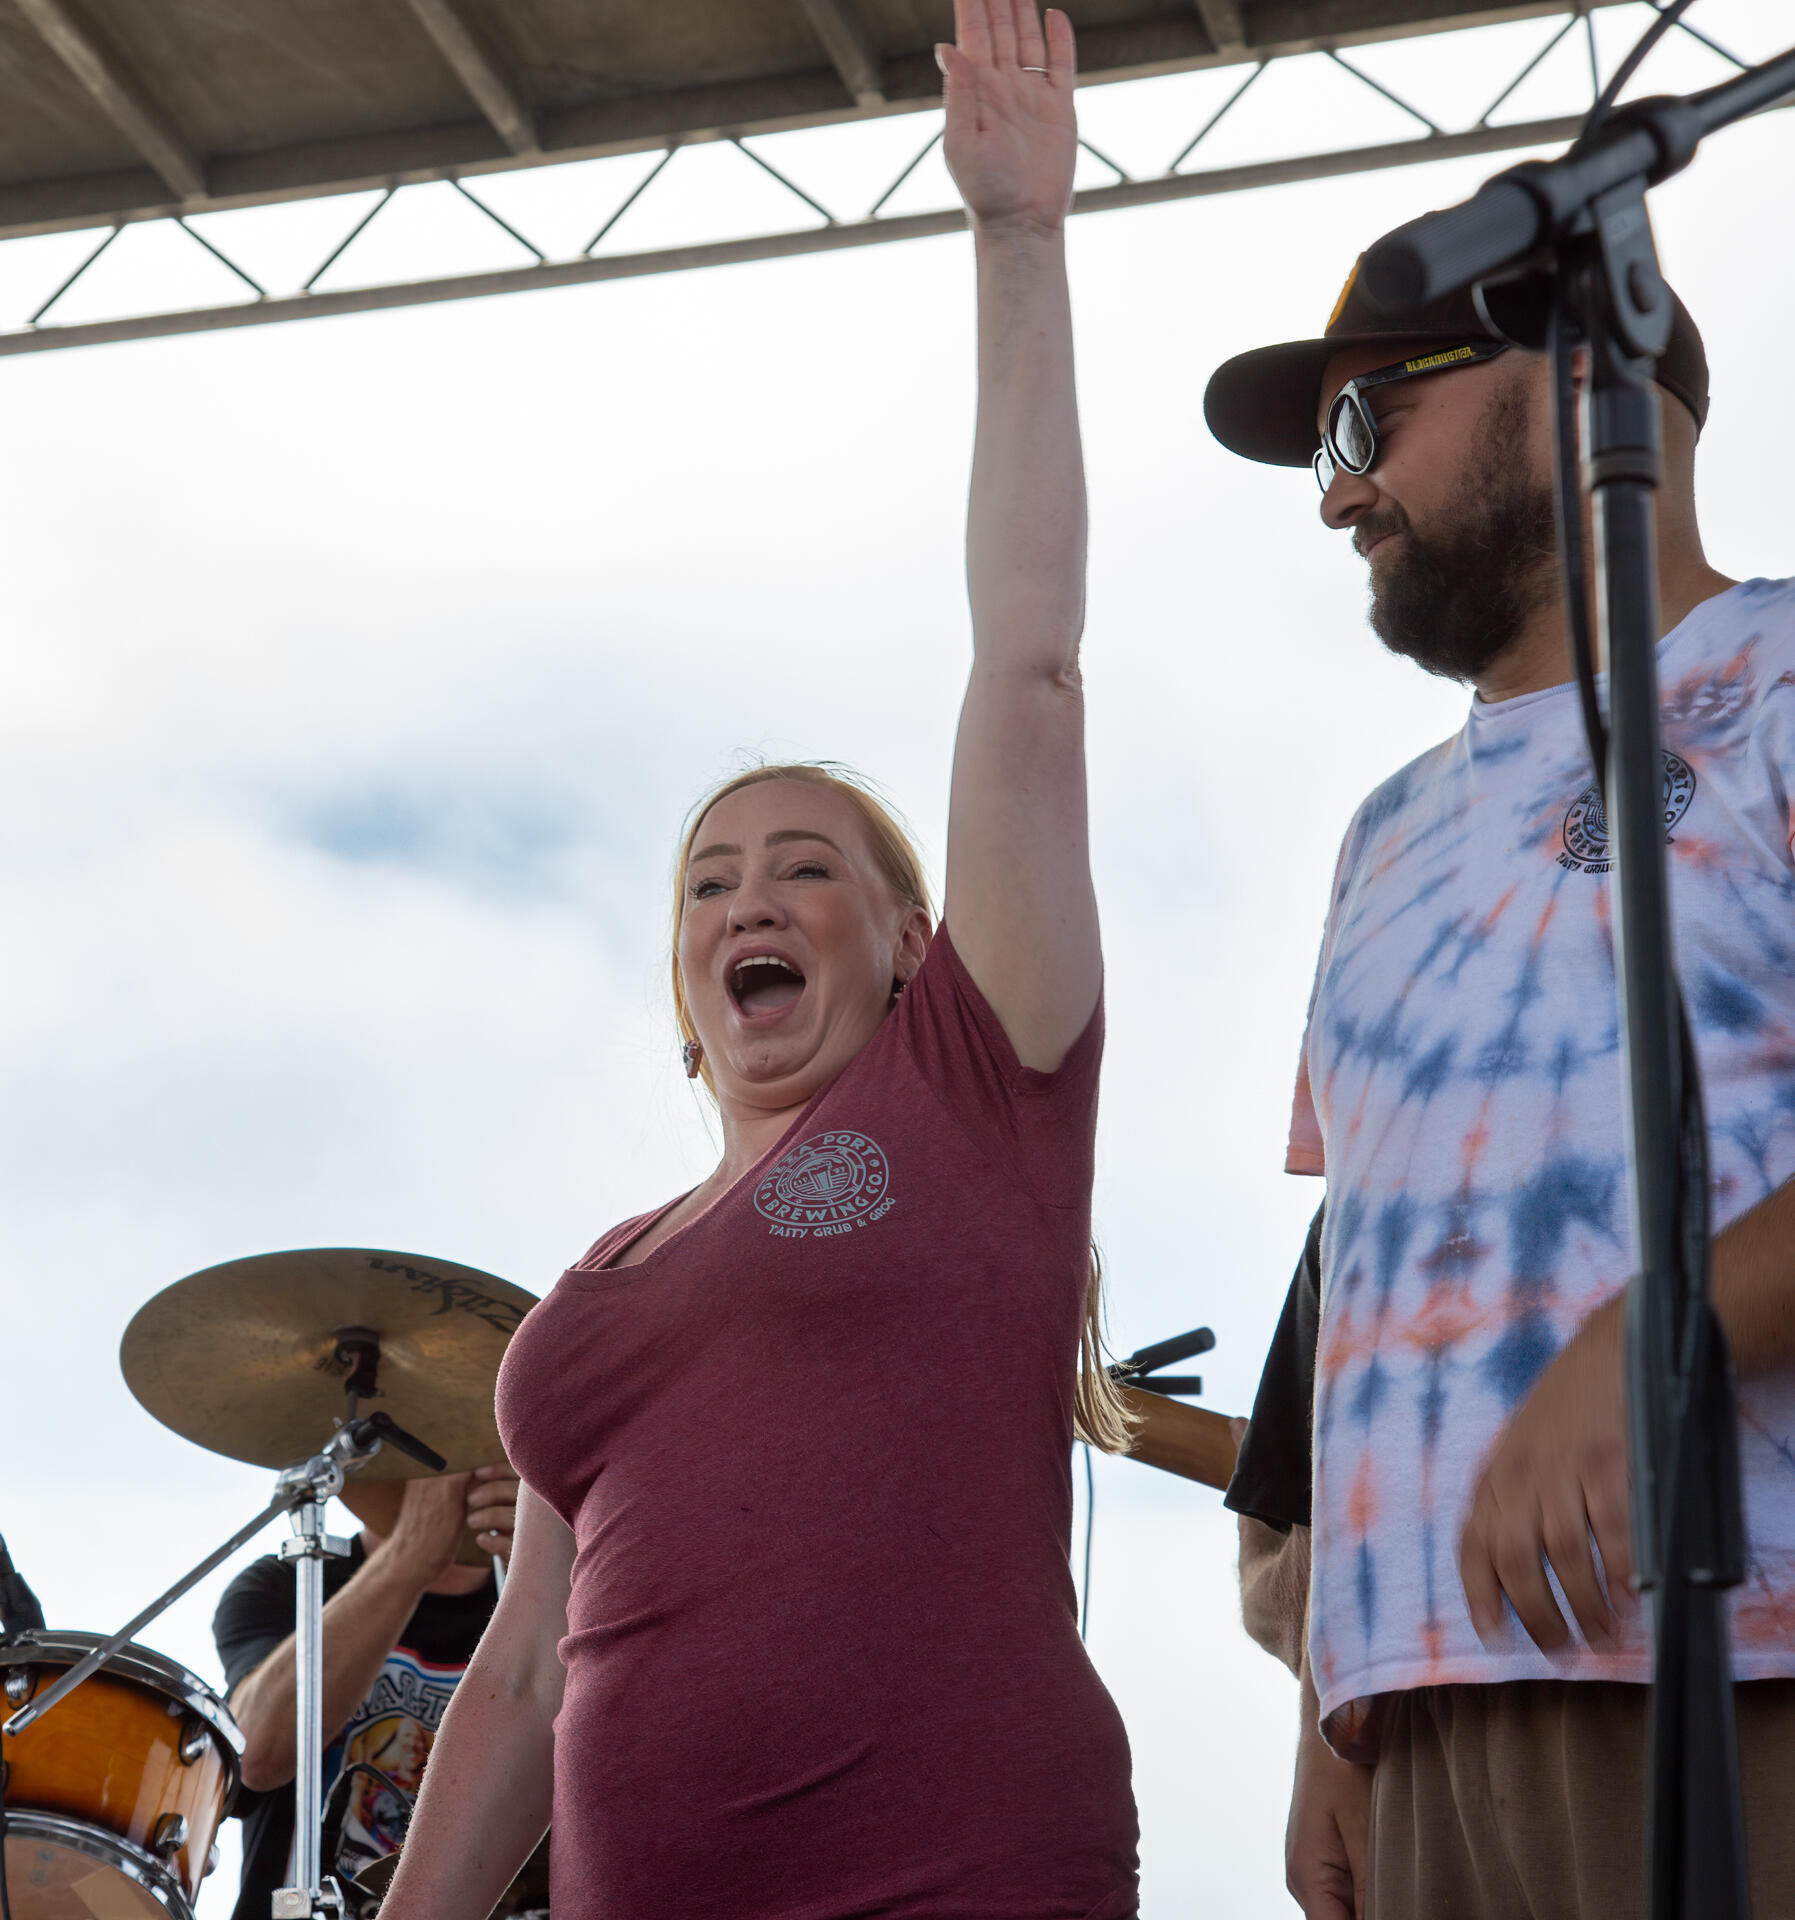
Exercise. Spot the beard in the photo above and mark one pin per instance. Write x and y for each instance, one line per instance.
(1455, 598)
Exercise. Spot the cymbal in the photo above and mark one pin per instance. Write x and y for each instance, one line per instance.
(246, 1359)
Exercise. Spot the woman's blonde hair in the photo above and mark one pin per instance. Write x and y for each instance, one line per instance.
(1099, 1413)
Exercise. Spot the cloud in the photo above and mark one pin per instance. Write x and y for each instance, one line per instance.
(360, 673)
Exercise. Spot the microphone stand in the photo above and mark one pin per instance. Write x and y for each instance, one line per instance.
(1581, 223)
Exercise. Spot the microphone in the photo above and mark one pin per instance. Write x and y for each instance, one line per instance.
(19, 1610)
(1139, 1368)
(1513, 213)
(1163, 1353)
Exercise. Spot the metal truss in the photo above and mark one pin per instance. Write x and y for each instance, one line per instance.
(829, 232)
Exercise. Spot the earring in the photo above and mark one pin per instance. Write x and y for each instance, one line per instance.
(897, 988)
(691, 1053)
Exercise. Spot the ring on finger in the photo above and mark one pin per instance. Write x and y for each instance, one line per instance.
(1036, 69)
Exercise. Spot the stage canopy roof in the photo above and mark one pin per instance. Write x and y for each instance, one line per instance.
(114, 112)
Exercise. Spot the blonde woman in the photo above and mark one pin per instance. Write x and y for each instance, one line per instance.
(790, 1632)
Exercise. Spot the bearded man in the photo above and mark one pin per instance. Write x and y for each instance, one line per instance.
(1473, 1678)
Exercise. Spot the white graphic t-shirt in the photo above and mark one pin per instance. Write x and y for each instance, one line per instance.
(1461, 1088)
(391, 1732)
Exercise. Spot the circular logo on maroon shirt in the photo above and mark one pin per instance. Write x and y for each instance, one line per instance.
(837, 1176)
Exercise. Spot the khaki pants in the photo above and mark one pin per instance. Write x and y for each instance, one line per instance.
(1526, 1801)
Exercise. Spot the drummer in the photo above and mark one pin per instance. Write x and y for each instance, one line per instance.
(401, 1620)
(797, 1445)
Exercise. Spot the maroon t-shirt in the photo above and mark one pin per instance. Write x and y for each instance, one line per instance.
(815, 1449)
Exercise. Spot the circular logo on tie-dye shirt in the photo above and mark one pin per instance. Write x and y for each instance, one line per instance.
(831, 1177)
(1586, 836)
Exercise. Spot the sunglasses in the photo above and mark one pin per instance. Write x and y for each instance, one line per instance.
(1349, 440)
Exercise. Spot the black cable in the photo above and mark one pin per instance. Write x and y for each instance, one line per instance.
(336, 1810)
(1696, 1224)
(1693, 1228)
(1567, 504)
(1567, 500)
(20, 1613)
(1090, 1515)
(1692, 1198)
(5, 1901)
(1604, 103)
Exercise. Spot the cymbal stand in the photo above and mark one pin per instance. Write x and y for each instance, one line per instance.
(310, 1486)
(301, 1492)
(306, 1488)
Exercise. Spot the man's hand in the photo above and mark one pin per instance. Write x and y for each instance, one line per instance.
(1557, 1475)
(363, 1622)
(492, 1509)
(433, 1514)
(1330, 1824)
(1012, 132)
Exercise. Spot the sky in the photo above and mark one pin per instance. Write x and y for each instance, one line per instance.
(359, 673)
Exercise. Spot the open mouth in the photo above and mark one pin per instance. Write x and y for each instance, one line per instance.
(763, 984)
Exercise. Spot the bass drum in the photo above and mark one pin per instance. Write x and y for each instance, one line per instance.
(113, 1798)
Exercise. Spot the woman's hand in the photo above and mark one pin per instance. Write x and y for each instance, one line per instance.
(1012, 134)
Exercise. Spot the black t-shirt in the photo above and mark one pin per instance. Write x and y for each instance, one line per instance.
(392, 1728)
(1273, 1477)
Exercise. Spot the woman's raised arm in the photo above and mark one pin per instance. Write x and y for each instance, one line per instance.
(1019, 895)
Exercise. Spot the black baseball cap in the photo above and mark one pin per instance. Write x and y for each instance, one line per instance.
(1263, 404)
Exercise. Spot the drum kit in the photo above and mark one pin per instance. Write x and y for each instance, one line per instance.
(116, 1764)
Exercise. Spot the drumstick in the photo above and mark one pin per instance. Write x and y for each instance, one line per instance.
(1191, 1442)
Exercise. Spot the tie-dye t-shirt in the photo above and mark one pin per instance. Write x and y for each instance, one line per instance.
(1461, 1090)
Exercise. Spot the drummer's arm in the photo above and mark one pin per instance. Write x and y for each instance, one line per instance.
(362, 1625)
(489, 1788)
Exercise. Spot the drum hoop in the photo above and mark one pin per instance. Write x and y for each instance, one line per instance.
(96, 1843)
(42, 1646)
